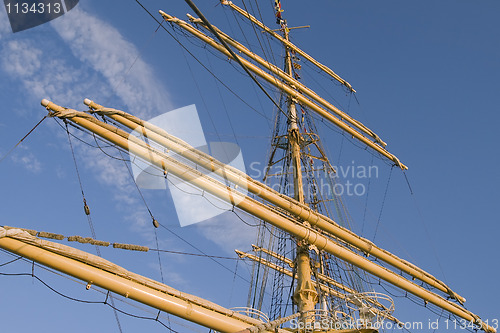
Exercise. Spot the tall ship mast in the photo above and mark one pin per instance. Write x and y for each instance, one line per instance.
(309, 271)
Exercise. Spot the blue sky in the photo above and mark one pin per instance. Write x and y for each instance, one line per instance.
(427, 80)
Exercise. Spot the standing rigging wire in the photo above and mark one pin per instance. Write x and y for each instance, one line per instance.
(237, 20)
(422, 222)
(154, 221)
(225, 107)
(125, 74)
(89, 218)
(270, 50)
(366, 201)
(233, 55)
(383, 203)
(222, 42)
(201, 64)
(22, 139)
(234, 282)
(208, 112)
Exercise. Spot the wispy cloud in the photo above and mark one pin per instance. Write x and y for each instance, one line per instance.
(45, 69)
(27, 160)
(228, 232)
(4, 24)
(103, 48)
(44, 75)
(103, 57)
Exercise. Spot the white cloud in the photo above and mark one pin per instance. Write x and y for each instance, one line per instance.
(43, 75)
(4, 24)
(20, 58)
(28, 161)
(46, 70)
(228, 232)
(103, 48)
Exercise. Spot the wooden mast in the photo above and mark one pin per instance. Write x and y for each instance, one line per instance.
(296, 224)
(290, 90)
(289, 44)
(305, 295)
(259, 210)
(268, 194)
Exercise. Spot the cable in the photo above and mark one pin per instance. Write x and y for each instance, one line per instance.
(383, 202)
(195, 254)
(105, 302)
(190, 53)
(199, 250)
(422, 221)
(20, 141)
(235, 57)
(10, 262)
(89, 218)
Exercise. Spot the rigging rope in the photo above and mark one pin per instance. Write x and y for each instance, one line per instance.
(383, 203)
(89, 218)
(105, 302)
(233, 55)
(23, 138)
(190, 53)
(422, 221)
(366, 200)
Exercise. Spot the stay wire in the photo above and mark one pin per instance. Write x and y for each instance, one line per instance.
(205, 67)
(11, 261)
(23, 138)
(225, 107)
(233, 55)
(366, 200)
(207, 109)
(383, 202)
(202, 252)
(87, 210)
(195, 254)
(257, 35)
(87, 213)
(147, 207)
(127, 72)
(105, 302)
(422, 222)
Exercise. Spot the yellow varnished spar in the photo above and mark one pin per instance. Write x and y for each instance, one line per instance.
(292, 82)
(244, 181)
(287, 89)
(259, 210)
(310, 231)
(348, 296)
(289, 44)
(97, 271)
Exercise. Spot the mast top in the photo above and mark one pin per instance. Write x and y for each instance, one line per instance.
(289, 44)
